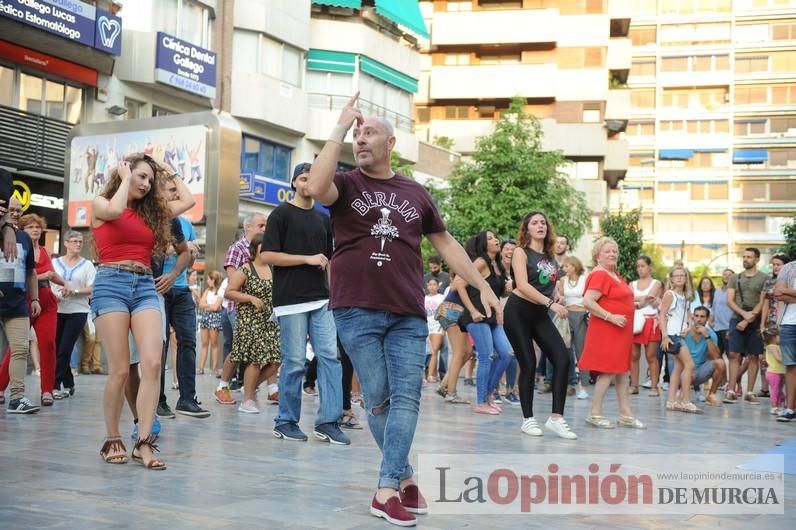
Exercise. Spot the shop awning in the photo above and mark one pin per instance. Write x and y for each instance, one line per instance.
(354, 4)
(675, 154)
(387, 74)
(750, 156)
(330, 61)
(404, 12)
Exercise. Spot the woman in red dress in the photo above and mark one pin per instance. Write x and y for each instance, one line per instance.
(609, 338)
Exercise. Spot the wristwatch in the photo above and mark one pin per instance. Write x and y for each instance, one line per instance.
(75, 291)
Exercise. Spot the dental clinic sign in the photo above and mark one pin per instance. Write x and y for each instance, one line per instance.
(70, 19)
(184, 65)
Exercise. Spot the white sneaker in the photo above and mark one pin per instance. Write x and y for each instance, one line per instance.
(775, 411)
(665, 386)
(248, 407)
(700, 397)
(560, 427)
(647, 383)
(582, 394)
(531, 427)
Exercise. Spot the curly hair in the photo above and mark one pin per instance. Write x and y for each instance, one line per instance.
(524, 237)
(32, 218)
(153, 207)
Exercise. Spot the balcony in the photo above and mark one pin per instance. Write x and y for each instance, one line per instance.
(616, 161)
(285, 107)
(32, 141)
(464, 133)
(771, 139)
(505, 26)
(494, 81)
(620, 54)
(324, 110)
(575, 139)
(353, 36)
(617, 106)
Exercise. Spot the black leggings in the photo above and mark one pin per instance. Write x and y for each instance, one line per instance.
(348, 376)
(526, 323)
(68, 329)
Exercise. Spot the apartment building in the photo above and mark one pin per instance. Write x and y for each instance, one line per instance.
(568, 59)
(713, 130)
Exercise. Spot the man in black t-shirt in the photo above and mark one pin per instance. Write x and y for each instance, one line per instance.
(298, 244)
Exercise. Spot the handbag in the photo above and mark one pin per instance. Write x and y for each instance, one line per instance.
(638, 321)
(562, 325)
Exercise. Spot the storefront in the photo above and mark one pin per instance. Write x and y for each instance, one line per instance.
(42, 197)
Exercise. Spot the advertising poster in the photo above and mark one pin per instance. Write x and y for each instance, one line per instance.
(93, 158)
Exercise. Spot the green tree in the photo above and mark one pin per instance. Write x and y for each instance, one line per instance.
(655, 253)
(446, 142)
(625, 229)
(789, 248)
(508, 176)
(407, 170)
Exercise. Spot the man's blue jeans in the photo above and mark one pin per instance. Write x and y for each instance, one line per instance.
(492, 347)
(388, 352)
(294, 329)
(181, 314)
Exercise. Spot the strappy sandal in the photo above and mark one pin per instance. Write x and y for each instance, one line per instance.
(456, 399)
(601, 422)
(630, 421)
(154, 464)
(690, 408)
(113, 451)
(633, 390)
(672, 405)
(349, 421)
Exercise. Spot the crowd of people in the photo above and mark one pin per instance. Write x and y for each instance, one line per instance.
(338, 306)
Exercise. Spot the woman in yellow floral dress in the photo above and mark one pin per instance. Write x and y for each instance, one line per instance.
(256, 337)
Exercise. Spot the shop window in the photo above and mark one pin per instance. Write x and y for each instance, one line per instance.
(54, 100)
(6, 86)
(74, 104)
(160, 111)
(265, 158)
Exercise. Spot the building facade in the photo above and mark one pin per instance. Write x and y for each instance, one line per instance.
(568, 59)
(713, 130)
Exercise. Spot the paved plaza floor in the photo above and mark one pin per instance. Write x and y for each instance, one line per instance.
(229, 471)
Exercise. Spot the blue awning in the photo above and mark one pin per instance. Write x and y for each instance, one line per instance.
(675, 154)
(750, 156)
(404, 12)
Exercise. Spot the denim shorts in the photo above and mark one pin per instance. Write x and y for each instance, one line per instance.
(448, 314)
(118, 291)
(787, 344)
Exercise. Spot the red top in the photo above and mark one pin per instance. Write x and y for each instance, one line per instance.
(125, 238)
(44, 264)
(608, 347)
(47, 299)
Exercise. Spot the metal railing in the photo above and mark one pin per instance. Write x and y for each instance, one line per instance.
(32, 141)
(333, 102)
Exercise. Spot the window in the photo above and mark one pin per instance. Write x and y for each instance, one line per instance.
(423, 114)
(783, 61)
(186, 19)
(642, 69)
(457, 113)
(706, 126)
(781, 191)
(786, 31)
(591, 115)
(782, 158)
(749, 223)
(692, 223)
(751, 95)
(244, 51)
(455, 59)
(696, 99)
(30, 88)
(640, 129)
(53, 100)
(256, 53)
(160, 111)
(783, 95)
(749, 127)
(750, 64)
(643, 7)
(783, 124)
(708, 191)
(460, 5)
(751, 33)
(6, 86)
(753, 191)
(674, 64)
(641, 160)
(694, 34)
(499, 59)
(642, 36)
(265, 158)
(74, 104)
(643, 98)
(134, 109)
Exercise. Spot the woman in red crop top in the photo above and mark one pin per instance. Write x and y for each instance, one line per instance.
(131, 222)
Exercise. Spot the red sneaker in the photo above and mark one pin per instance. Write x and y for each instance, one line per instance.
(412, 500)
(393, 511)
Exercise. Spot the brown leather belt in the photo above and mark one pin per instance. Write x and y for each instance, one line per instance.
(138, 269)
(44, 284)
